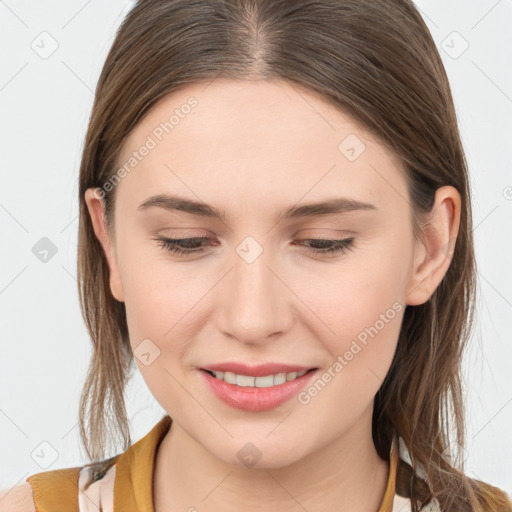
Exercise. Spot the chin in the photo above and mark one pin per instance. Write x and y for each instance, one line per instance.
(263, 454)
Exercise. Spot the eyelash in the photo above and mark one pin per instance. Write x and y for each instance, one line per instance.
(172, 245)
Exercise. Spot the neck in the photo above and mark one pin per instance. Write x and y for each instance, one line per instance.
(344, 475)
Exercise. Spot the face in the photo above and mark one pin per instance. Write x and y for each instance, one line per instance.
(261, 278)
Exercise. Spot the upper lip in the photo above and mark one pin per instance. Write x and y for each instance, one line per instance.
(258, 370)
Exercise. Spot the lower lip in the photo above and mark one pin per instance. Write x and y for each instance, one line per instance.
(256, 399)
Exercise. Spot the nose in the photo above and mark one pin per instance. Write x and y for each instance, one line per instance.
(254, 301)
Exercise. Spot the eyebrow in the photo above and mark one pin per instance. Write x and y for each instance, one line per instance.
(327, 207)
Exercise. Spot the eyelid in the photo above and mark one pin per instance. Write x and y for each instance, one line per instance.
(327, 233)
(338, 247)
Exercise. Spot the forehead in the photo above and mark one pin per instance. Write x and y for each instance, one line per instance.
(263, 139)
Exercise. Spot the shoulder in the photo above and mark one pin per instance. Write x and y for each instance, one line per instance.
(71, 489)
(18, 499)
(488, 496)
(492, 496)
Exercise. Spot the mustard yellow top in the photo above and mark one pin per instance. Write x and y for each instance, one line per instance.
(124, 483)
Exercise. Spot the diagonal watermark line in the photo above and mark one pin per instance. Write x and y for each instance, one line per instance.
(179, 320)
(492, 81)
(70, 430)
(506, 403)
(478, 477)
(404, 198)
(286, 491)
(170, 170)
(13, 13)
(304, 195)
(75, 15)
(199, 403)
(485, 15)
(22, 479)
(428, 18)
(488, 282)
(311, 106)
(13, 279)
(14, 424)
(217, 486)
(14, 76)
(68, 224)
(272, 431)
(406, 507)
(212, 80)
(77, 76)
(68, 272)
(375, 374)
(14, 218)
(300, 299)
(488, 215)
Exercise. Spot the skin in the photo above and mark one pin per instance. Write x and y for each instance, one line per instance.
(253, 149)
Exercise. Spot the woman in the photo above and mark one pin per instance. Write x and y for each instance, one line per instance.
(275, 225)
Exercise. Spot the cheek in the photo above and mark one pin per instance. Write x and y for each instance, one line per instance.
(152, 300)
(358, 307)
(160, 310)
(157, 292)
(364, 319)
(160, 305)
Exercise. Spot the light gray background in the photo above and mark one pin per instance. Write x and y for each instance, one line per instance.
(45, 104)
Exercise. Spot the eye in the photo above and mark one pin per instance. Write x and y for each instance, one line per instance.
(186, 246)
(182, 245)
(326, 246)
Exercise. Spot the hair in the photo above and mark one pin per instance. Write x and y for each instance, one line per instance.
(373, 60)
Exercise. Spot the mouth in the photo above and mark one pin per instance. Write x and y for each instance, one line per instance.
(259, 393)
(260, 381)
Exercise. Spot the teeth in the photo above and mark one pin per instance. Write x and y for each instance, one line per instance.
(244, 380)
(230, 378)
(258, 382)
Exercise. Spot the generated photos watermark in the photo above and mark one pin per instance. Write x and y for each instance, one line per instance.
(151, 142)
(357, 345)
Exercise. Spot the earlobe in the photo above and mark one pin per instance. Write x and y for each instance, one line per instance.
(433, 254)
(96, 208)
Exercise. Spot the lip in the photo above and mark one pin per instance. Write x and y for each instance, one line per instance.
(259, 370)
(255, 399)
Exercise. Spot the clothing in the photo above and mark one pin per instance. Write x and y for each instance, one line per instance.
(124, 483)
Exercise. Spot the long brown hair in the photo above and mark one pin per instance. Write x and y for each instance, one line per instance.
(372, 59)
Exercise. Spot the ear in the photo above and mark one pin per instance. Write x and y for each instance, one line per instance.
(433, 254)
(96, 207)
